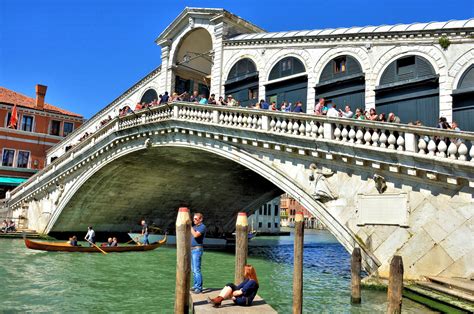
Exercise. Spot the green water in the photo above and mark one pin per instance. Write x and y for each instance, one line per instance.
(35, 281)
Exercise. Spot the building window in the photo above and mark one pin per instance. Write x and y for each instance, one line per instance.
(7, 159)
(260, 224)
(68, 128)
(9, 117)
(276, 210)
(27, 123)
(55, 127)
(406, 65)
(269, 225)
(276, 224)
(264, 210)
(260, 211)
(340, 65)
(23, 159)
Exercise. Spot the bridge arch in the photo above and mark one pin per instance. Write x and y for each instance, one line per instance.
(273, 175)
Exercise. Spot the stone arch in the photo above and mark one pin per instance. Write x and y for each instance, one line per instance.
(254, 56)
(277, 177)
(432, 54)
(301, 55)
(183, 35)
(357, 53)
(460, 66)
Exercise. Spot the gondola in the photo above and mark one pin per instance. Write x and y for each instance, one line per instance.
(65, 247)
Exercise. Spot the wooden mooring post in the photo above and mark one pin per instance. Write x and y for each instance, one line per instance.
(298, 264)
(356, 266)
(395, 286)
(241, 246)
(183, 261)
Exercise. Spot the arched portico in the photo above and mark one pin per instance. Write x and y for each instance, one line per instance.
(242, 82)
(192, 62)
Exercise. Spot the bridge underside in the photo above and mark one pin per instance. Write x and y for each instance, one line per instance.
(153, 183)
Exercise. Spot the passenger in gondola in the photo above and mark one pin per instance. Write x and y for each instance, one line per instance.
(114, 242)
(243, 294)
(73, 241)
(109, 242)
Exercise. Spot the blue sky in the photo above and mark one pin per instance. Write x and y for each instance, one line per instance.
(88, 52)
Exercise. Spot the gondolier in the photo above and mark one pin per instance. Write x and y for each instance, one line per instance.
(90, 236)
(145, 232)
(198, 232)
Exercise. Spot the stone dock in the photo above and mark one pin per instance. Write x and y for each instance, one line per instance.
(199, 304)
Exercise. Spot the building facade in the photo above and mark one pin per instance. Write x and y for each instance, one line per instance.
(288, 209)
(267, 218)
(24, 144)
(419, 71)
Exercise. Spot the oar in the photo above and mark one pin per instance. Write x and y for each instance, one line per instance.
(97, 247)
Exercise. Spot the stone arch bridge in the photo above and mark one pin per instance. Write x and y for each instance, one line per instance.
(386, 188)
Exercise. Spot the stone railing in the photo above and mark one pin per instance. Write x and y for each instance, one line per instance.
(444, 146)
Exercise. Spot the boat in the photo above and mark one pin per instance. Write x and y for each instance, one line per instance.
(65, 247)
(208, 242)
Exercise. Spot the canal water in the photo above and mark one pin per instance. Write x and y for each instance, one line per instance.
(35, 281)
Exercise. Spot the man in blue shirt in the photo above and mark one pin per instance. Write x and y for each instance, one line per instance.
(198, 231)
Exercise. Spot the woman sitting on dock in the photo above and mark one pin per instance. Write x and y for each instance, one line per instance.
(243, 294)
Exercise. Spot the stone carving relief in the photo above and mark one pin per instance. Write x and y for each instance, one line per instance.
(322, 188)
(148, 143)
(60, 193)
(380, 183)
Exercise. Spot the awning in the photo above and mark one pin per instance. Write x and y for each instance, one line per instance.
(12, 181)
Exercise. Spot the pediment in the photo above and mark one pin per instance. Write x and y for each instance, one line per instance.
(235, 24)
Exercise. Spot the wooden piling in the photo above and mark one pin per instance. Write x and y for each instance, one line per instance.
(298, 264)
(183, 261)
(241, 246)
(355, 276)
(395, 286)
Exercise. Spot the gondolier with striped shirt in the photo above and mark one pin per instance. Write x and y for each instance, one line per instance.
(90, 236)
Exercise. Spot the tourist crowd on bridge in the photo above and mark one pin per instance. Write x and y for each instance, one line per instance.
(322, 108)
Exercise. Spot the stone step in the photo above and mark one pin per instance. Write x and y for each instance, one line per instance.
(444, 289)
(19, 234)
(437, 300)
(464, 285)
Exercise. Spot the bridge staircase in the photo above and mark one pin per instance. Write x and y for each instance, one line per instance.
(30, 234)
(450, 295)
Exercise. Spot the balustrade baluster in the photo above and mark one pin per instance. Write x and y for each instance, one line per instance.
(278, 125)
(321, 131)
(259, 123)
(375, 138)
(462, 151)
(296, 127)
(392, 140)
(272, 124)
(221, 118)
(290, 126)
(367, 137)
(421, 146)
(283, 126)
(359, 136)
(442, 147)
(431, 148)
(344, 133)
(452, 150)
(239, 120)
(302, 129)
(400, 143)
(337, 132)
(352, 135)
(254, 122)
(314, 129)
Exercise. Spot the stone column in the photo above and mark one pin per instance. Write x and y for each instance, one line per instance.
(216, 75)
(165, 75)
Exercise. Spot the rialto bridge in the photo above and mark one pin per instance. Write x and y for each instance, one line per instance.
(386, 188)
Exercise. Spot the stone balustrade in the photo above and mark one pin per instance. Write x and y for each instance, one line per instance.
(444, 146)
